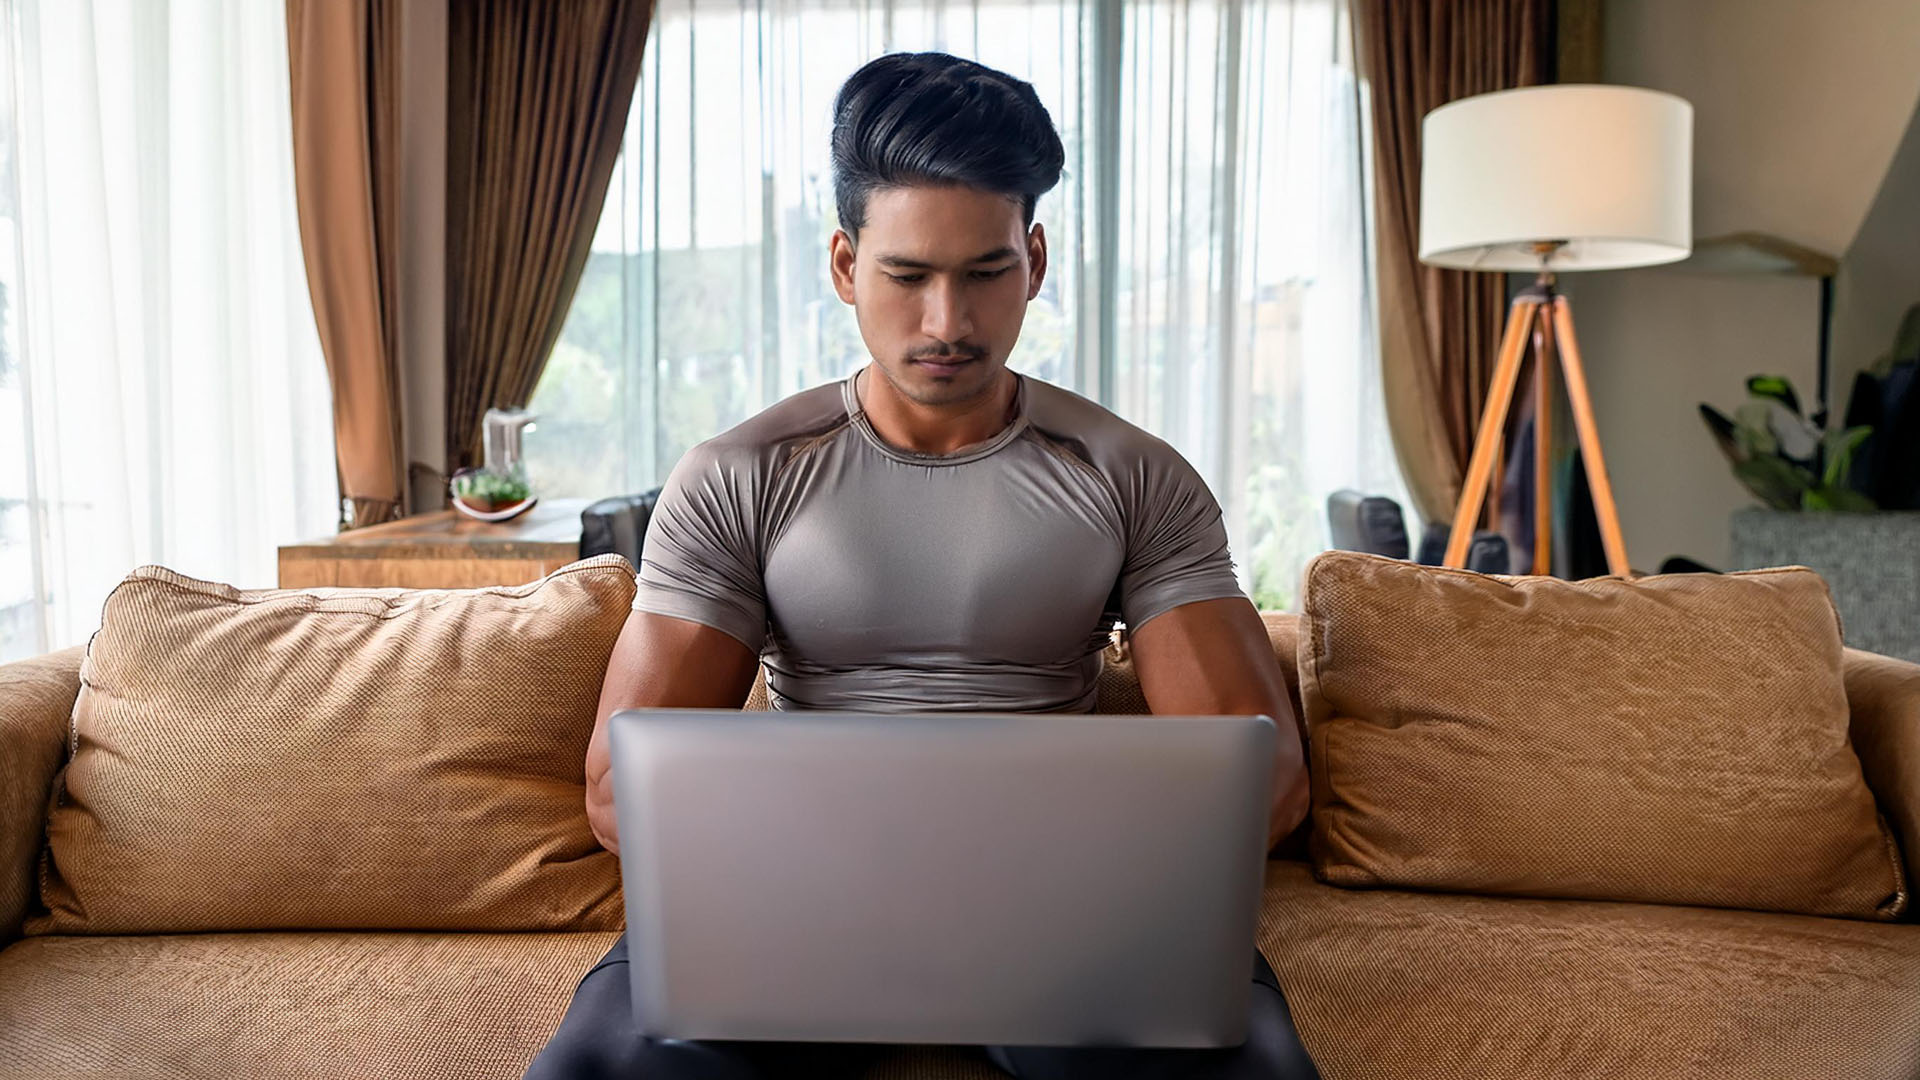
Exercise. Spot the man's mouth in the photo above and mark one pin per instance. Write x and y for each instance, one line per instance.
(943, 365)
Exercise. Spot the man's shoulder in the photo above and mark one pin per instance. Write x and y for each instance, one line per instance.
(761, 440)
(1094, 433)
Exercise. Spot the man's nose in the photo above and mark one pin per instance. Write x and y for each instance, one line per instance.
(945, 317)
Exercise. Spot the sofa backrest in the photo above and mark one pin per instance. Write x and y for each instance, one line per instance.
(36, 698)
(336, 759)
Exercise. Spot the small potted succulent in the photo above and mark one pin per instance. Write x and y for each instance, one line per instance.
(499, 489)
(489, 495)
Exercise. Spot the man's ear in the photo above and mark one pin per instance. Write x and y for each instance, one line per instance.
(1036, 259)
(840, 264)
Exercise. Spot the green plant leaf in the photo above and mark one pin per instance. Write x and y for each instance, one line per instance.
(1723, 432)
(1753, 432)
(1840, 447)
(495, 488)
(1774, 481)
(1826, 497)
(1774, 387)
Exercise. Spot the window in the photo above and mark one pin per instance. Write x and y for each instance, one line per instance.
(163, 398)
(1209, 271)
(21, 633)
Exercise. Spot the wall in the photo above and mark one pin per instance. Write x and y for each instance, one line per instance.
(1798, 108)
(1880, 274)
(423, 249)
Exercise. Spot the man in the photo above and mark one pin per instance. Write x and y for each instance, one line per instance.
(935, 533)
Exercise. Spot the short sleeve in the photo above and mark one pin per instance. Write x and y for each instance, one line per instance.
(1176, 540)
(701, 557)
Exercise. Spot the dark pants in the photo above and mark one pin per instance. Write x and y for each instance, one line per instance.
(597, 1039)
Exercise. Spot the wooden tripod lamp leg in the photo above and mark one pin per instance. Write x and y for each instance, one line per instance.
(1487, 440)
(1543, 444)
(1603, 508)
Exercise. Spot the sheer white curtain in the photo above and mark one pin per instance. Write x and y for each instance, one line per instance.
(1210, 259)
(162, 398)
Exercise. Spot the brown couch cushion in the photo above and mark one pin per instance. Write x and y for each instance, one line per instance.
(283, 1006)
(336, 759)
(1883, 695)
(287, 1005)
(36, 701)
(1386, 984)
(1677, 739)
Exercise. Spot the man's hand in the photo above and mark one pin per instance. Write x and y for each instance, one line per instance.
(1212, 658)
(660, 663)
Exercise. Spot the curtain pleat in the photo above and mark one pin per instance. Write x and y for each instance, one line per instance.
(537, 102)
(342, 57)
(1438, 328)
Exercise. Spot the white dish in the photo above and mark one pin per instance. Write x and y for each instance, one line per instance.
(494, 515)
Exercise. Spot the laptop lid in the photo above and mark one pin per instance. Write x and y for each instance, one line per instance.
(1056, 879)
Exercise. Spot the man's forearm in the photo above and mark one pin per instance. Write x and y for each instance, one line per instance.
(1291, 795)
(659, 662)
(600, 813)
(599, 776)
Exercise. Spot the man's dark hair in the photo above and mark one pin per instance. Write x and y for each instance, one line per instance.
(931, 118)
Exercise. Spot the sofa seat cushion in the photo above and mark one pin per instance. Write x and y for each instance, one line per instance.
(1389, 983)
(302, 1006)
(287, 1004)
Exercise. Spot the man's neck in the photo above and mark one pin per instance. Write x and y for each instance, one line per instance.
(934, 429)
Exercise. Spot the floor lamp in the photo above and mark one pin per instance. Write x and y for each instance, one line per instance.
(1552, 179)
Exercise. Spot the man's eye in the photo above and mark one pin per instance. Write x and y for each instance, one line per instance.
(989, 275)
(907, 279)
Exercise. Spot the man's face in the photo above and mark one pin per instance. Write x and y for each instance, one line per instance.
(939, 281)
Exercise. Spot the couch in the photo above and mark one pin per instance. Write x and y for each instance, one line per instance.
(1382, 982)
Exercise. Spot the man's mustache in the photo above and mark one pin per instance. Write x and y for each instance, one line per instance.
(958, 348)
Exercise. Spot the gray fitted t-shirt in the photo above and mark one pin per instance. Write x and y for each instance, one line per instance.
(871, 578)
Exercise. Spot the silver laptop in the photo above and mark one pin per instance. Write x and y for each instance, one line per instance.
(1024, 880)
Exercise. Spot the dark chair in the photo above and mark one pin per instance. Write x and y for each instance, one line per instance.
(1369, 523)
(617, 525)
(1375, 524)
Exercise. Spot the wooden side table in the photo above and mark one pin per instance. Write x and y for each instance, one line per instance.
(440, 550)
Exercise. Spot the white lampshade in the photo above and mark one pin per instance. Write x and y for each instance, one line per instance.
(1606, 169)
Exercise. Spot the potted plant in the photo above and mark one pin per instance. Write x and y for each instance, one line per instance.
(489, 495)
(1781, 456)
(1842, 501)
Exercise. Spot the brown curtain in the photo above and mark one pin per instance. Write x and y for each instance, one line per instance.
(342, 56)
(1438, 328)
(537, 103)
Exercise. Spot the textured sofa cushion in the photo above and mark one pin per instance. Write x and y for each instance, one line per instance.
(336, 759)
(1883, 695)
(1395, 985)
(1677, 739)
(36, 700)
(288, 1006)
(279, 1006)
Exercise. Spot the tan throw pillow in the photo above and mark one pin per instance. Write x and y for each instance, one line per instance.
(366, 759)
(1678, 739)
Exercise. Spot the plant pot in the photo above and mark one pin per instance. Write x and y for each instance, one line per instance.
(479, 506)
(1871, 562)
(499, 512)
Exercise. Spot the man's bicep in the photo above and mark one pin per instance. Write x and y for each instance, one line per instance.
(1209, 658)
(661, 661)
